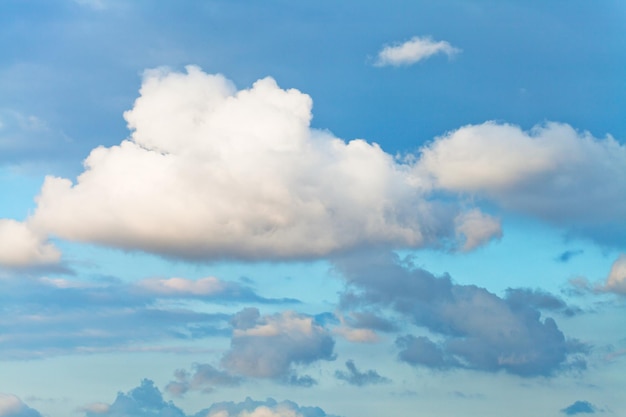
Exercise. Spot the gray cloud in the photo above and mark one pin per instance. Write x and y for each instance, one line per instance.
(569, 254)
(355, 377)
(269, 346)
(519, 298)
(579, 407)
(480, 330)
(422, 351)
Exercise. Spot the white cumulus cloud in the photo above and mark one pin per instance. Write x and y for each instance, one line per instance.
(212, 172)
(414, 50)
(551, 172)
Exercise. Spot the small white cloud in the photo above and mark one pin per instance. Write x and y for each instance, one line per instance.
(616, 281)
(414, 50)
(476, 229)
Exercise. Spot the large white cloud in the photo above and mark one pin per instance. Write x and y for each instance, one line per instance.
(211, 172)
(414, 50)
(551, 172)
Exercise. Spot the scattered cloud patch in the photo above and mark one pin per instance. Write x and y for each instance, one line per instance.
(568, 255)
(355, 377)
(414, 50)
(147, 401)
(204, 378)
(478, 329)
(579, 407)
(269, 346)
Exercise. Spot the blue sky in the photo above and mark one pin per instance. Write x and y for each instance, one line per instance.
(307, 209)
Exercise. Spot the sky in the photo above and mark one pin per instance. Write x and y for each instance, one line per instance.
(229, 208)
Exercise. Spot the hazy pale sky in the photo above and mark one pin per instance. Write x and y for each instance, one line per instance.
(235, 208)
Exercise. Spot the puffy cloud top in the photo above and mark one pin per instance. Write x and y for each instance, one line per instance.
(211, 172)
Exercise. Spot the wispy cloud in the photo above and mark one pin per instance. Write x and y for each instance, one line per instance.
(414, 50)
(568, 255)
(355, 377)
(51, 316)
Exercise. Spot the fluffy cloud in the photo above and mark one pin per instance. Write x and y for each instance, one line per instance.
(414, 50)
(20, 246)
(552, 172)
(12, 406)
(478, 329)
(269, 346)
(355, 377)
(210, 172)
